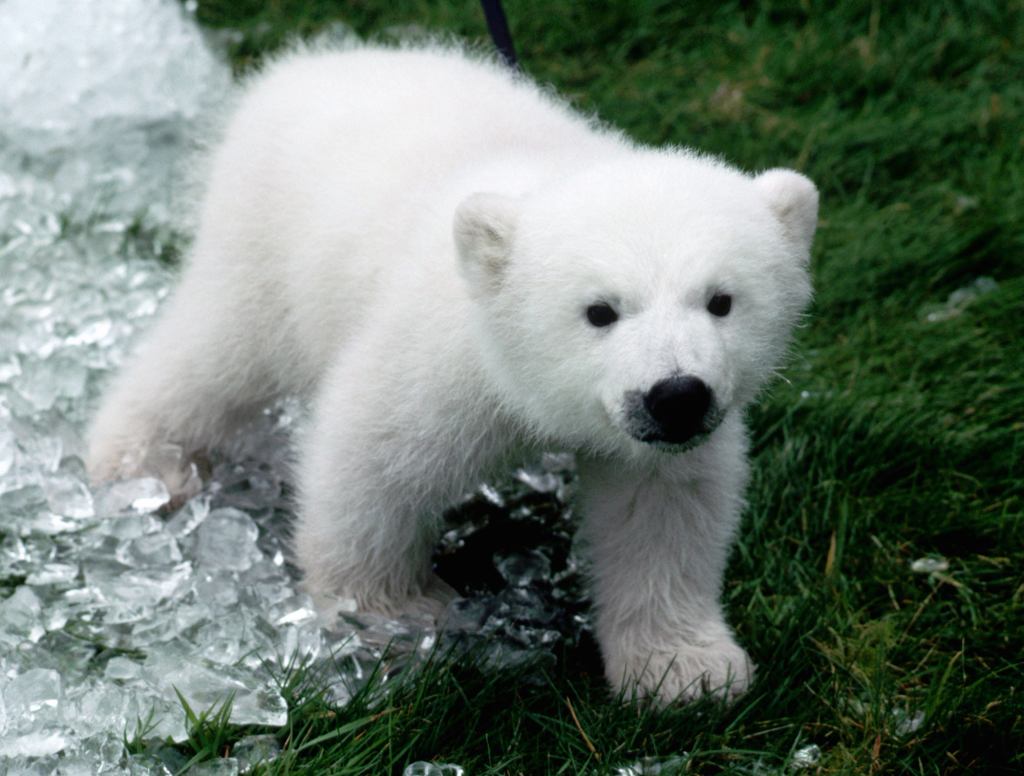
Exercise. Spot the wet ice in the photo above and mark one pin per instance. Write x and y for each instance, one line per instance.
(226, 539)
(142, 495)
(424, 768)
(86, 208)
(805, 757)
(253, 750)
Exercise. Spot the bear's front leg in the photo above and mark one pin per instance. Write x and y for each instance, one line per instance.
(367, 521)
(659, 539)
(376, 470)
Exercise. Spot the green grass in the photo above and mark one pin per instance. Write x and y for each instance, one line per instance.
(893, 437)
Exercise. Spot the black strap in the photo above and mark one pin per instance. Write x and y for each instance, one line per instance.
(498, 26)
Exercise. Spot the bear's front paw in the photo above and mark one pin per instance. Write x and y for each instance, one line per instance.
(431, 603)
(720, 668)
(165, 461)
(428, 604)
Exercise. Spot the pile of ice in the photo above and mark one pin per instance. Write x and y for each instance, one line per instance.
(108, 609)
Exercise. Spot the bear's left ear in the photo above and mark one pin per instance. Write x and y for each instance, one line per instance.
(484, 224)
(794, 201)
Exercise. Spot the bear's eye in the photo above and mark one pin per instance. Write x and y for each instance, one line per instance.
(720, 305)
(601, 314)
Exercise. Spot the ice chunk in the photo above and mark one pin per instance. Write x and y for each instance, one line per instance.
(157, 761)
(653, 766)
(221, 639)
(294, 610)
(6, 451)
(423, 768)
(21, 505)
(492, 494)
(907, 723)
(255, 750)
(167, 624)
(33, 744)
(68, 496)
(222, 766)
(104, 753)
(552, 475)
(132, 593)
(929, 565)
(520, 569)
(21, 617)
(90, 331)
(96, 707)
(188, 518)
(155, 549)
(217, 589)
(50, 523)
(538, 479)
(805, 757)
(10, 367)
(958, 300)
(124, 527)
(256, 699)
(300, 643)
(32, 701)
(12, 552)
(226, 539)
(123, 669)
(146, 494)
(53, 574)
(40, 448)
(43, 382)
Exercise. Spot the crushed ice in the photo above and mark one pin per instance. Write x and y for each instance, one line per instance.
(929, 565)
(906, 723)
(106, 608)
(654, 766)
(424, 768)
(805, 757)
(958, 300)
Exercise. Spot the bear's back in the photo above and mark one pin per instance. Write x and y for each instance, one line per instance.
(341, 170)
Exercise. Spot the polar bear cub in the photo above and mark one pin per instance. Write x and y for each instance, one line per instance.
(460, 271)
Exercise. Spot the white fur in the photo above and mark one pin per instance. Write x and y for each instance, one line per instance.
(412, 237)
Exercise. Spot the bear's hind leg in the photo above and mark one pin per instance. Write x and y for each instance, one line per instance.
(196, 376)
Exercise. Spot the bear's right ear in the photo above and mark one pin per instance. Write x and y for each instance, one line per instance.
(484, 224)
(794, 201)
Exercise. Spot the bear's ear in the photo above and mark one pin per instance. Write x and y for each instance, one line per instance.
(794, 201)
(484, 224)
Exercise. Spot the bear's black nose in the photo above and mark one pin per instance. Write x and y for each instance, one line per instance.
(678, 406)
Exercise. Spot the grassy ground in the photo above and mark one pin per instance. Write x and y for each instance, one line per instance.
(899, 433)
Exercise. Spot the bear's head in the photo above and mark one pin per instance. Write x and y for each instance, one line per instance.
(637, 303)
